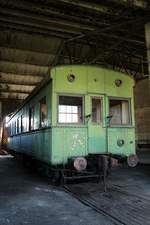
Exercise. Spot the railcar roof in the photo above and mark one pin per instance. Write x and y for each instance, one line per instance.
(96, 66)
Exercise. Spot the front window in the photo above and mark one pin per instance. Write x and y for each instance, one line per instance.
(119, 110)
(96, 110)
(70, 109)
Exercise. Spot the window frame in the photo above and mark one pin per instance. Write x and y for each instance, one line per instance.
(83, 109)
(129, 111)
(18, 125)
(11, 128)
(40, 122)
(23, 123)
(30, 110)
(15, 127)
(101, 111)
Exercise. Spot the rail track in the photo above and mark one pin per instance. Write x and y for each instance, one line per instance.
(121, 207)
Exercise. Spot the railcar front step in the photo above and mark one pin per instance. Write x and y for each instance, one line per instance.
(81, 177)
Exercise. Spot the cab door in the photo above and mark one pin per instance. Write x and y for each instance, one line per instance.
(96, 124)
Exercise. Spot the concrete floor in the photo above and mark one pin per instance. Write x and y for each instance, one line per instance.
(29, 199)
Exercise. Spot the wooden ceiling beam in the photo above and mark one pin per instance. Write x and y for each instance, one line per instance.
(138, 20)
(140, 4)
(54, 7)
(5, 26)
(17, 96)
(89, 6)
(9, 82)
(38, 54)
(99, 8)
(80, 41)
(61, 13)
(22, 68)
(47, 19)
(30, 65)
(124, 38)
(51, 10)
(28, 75)
(7, 47)
(34, 16)
(14, 91)
(37, 24)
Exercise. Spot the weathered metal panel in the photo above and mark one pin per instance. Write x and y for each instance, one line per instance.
(68, 142)
(14, 143)
(80, 84)
(42, 145)
(96, 80)
(37, 144)
(90, 81)
(96, 131)
(126, 134)
(126, 88)
(93, 80)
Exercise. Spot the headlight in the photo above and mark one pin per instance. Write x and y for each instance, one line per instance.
(120, 142)
(132, 160)
(80, 163)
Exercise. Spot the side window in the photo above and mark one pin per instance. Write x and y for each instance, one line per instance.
(31, 118)
(70, 109)
(96, 110)
(119, 109)
(18, 124)
(15, 127)
(8, 125)
(23, 123)
(11, 125)
(43, 112)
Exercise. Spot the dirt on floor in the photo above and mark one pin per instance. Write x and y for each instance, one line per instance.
(28, 198)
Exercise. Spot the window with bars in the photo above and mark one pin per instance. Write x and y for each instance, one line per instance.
(70, 109)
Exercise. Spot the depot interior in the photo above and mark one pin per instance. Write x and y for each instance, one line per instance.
(40, 34)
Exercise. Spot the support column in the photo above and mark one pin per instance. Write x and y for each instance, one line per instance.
(0, 123)
(0, 110)
(147, 36)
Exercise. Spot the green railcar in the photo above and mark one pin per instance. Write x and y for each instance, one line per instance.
(81, 117)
